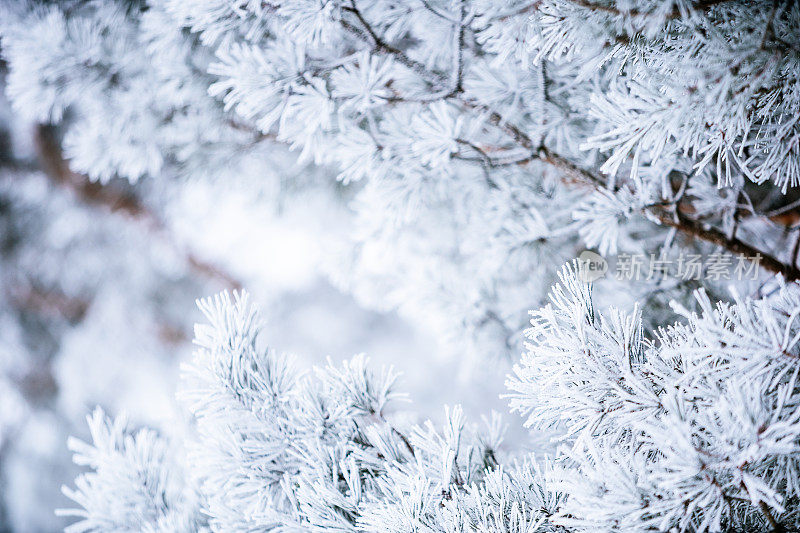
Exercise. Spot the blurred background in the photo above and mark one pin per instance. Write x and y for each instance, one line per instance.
(97, 291)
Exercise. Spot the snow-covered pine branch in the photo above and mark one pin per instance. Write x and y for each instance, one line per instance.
(277, 449)
(143, 472)
(696, 428)
(486, 142)
(659, 87)
(693, 429)
(529, 129)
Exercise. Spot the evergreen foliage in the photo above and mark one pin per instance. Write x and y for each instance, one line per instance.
(694, 429)
(484, 144)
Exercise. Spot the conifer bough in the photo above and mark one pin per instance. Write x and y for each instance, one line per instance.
(485, 143)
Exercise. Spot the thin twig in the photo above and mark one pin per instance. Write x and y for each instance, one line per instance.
(780, 210)
(458, 81)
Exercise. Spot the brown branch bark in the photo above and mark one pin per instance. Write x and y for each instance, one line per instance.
(115, 200)
(47, 302)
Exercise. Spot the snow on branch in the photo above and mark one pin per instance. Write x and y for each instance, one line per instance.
(277, 449)
(695, 428)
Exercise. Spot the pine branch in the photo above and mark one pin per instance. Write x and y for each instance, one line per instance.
(573, 174)
(369, 36)
(114, 200)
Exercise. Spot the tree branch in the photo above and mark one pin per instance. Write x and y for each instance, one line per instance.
(115, 200)
(573, 173)
(368, 35)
